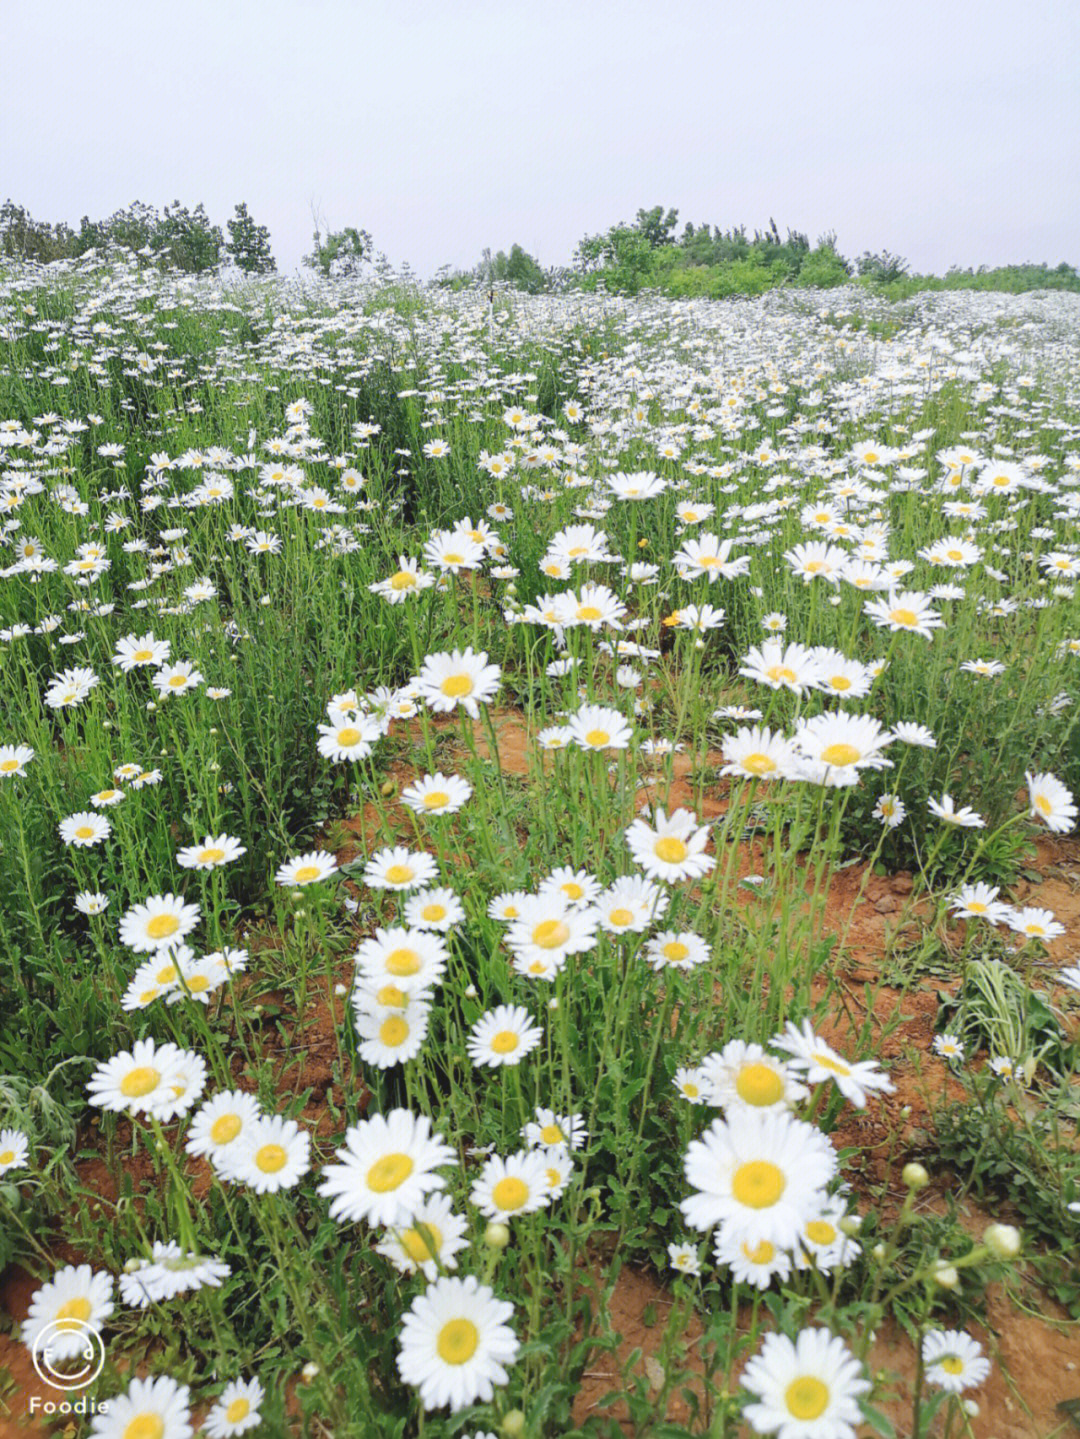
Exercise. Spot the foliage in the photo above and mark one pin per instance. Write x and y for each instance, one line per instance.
(339, 254)
(249, 243)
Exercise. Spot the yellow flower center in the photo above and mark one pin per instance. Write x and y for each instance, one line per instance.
(670, 850)
(142, 656)
(781, 673)
(416, 1245)
(806, 1397)
(213, 855)
(389, 1172)
(550, 933)
(759, 763)
(225, 1128)
(348, 737)
(393, 1031)
(392, 996)
(572, 889)
(690, 1089)
(758, 1184)
(838, 755)
(908, 618)
(589, 612)
(505, 1042)
(954, 554)
(432, 913)
(597, 738)
(306, 873)
(436, 799)
(139, 1081)
(270, 1158)
(73, 1314)
(510, 1193)
(1042, 804)
(675, 951)
(85, 831)
(9, 765)
(399, 874)
(621, 918)
(7, 1156)
(455, 686)
(760, 1253)
(552, 1134)
(176, 681)
(819, 1231)
(457, 1341)
(144, 1426)
(402, 962)
(760, 1085)
(840, 682)
(196, 983)
(237, 1410)
(952, 1364)
(403, 580)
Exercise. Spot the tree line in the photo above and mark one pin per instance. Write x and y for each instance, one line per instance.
(649, 252)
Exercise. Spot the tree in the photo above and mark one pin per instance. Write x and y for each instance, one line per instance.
(883, 268)
(658, 228)
(339, 253)
(519, 269)
(181, 239)
(24, 238)
(249, 244)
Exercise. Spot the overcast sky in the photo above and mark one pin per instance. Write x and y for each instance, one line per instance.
(947, 132)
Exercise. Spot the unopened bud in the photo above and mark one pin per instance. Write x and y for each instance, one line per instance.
(497, 1236)
(946, 1276)
(309, 1371)
(1002, 1240)
(850, 1225)
(915, 1176)
(513, 1424)
(387, 788)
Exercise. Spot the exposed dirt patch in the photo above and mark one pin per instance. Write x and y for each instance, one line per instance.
(1036, 1361)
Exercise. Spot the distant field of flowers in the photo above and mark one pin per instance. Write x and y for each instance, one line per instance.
(510, 807)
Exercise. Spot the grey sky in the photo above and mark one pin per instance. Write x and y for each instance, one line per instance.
(948, 132)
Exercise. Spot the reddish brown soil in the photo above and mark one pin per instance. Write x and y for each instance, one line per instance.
(1036, 1362)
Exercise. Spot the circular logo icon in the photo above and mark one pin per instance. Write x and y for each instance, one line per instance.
(68, 1354)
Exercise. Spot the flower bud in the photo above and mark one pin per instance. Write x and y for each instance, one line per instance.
(309, 1371)
(878, 1252)
(915, 1176)
(387, 788)
(1002, 1240)
(513, 1424)
(496, 1235)
(946, 1276)
(850, 1225)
